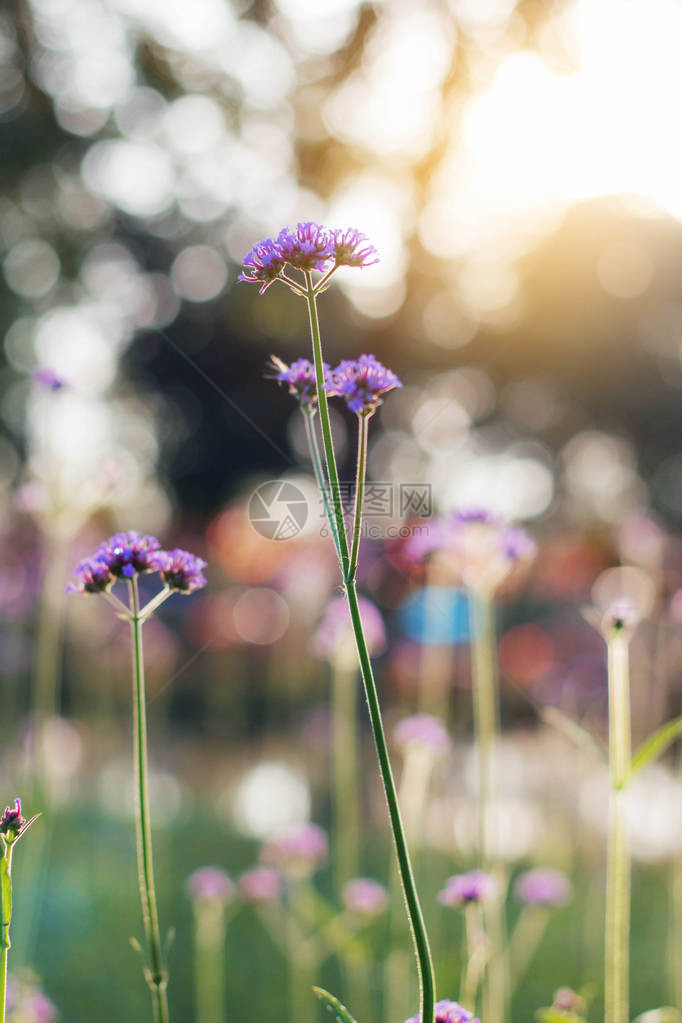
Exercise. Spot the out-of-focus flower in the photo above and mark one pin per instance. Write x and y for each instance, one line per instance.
(36, 1007)
(424, 730)
(300, 376)
(474, 886)
(620, 617)
(447, 1012)
(566, 1000)
(211, 884)
(47, 379)
(180, 570)
(262, 265)
(543, 886)
(262, 885)
(298, 851)
(308, 247)
(476, 547)
(334, 636)
(350, 248)
(12, 823)
(361, 383)
(365, 897)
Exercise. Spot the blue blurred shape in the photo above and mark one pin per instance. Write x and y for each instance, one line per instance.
(436, 614)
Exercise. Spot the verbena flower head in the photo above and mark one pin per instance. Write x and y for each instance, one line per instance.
(262, 885)
(211, 884)
(447, 1012)
(334, 637)
(543, 887)
(180, 570)
(263, 264)
(12, 823)
(365, 897)
(92, 576)
(300, 376)
(309, 247)
(352, 248)
(474, 886)
(423, 730)
(566, 1000)
(477, 548)
(298, 851)
(126, 554)
(361, 383)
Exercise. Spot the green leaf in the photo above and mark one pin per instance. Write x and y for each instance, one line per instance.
(340, 1012)
(655, 745)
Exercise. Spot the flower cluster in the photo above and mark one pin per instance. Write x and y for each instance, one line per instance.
(543, 887)
(422, 730)
(12, 823)
(447, 1012)
(125, 555)
(361, 383)
(261, 885)
(474, 886)
(300, 376)
(298, 851)
(309, 246)
(475, 547)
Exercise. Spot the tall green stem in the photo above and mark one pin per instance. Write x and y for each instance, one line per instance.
(486, 729)
(313, 447)
(156, 974)
(360, 473)
(617, 937)
(209, 935)
(345, 760)
(421, 943)
(6, 909)
(675, 923)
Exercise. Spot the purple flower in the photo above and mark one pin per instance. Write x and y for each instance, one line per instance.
(447, 1012)
(12, 823)
(566, 1000)
(38, 1008)
(423, 729)
(46, 378)
(543, 887)
(300, 376)
(210, 883)
(263, 264)
(180, 570)
(92, 576)
(620, 616)
(262, 884)
(474, 886)
(128, 553)
(361, 382)
(309, 247)
(350, 248)
(365, 897)
(476, 547)
(299, 850)
(334, 635)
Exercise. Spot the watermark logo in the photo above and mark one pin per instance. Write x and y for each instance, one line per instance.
(278, 510)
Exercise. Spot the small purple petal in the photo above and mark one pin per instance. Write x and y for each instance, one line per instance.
(447, 1012)
(474, 886)
(361, 383)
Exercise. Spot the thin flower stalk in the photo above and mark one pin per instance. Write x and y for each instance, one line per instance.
(420, 938)
(360, 475)
(675, 922)
(156, 975)
(617, 936)
(345, 748)
(210, 930)
(314, 449)
(486, 729)
(525, 941)
(12, 826)
(474, 955)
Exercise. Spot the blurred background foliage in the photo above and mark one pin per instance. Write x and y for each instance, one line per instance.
(517, 166)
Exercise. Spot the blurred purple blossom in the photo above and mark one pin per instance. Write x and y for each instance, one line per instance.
(334, 634)
(300, 376)
(447, 1012)
(543, 886)
(361, 383)
(477, 547)
(299, 850)
(47, 379)
(262, 884)
(12, 822)
(365, 897)
(180, 570)
(424, 729)
(210, 883)
(474, 886)
(350, 248)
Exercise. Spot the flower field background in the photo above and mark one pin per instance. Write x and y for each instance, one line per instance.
(518, 192)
